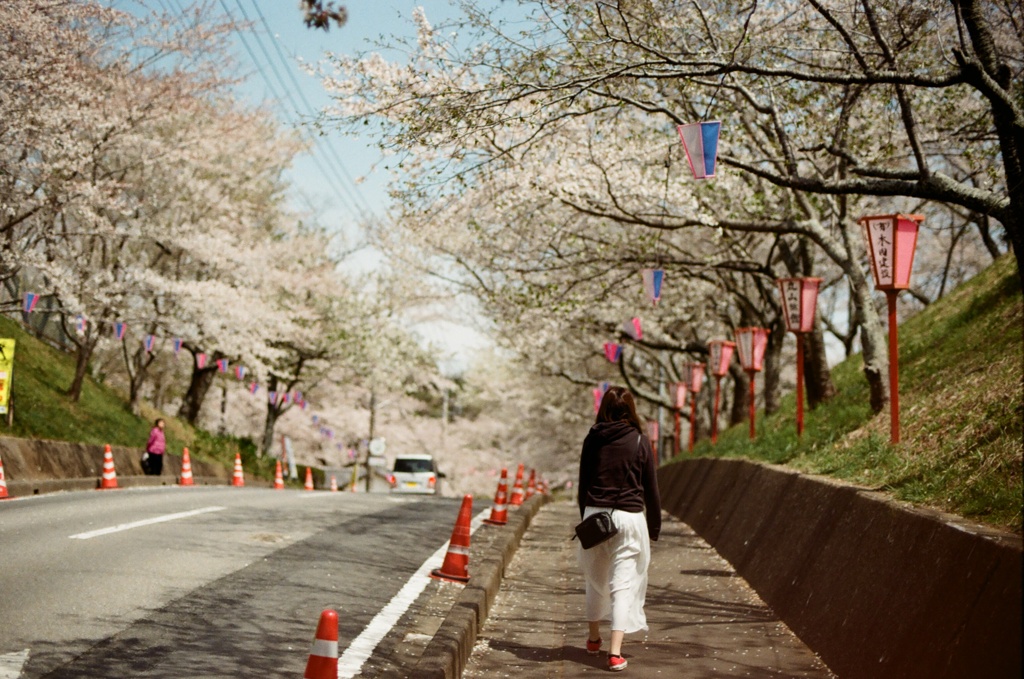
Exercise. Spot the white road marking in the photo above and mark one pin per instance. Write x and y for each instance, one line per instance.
(362, 647)
(144, 522)
(11, 664)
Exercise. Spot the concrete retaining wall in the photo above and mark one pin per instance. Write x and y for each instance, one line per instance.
(878, 590)
(34, 466)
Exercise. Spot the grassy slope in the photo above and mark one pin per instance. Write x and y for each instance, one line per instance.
(42, 375)
(961, 406)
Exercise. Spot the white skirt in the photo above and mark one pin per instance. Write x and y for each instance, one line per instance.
(616, 572)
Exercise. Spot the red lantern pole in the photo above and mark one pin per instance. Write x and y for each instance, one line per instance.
(799, 384)
(693, 422)
(891, 241)
(894, 368)
(714, 420)
(677, 443)
(753, 377)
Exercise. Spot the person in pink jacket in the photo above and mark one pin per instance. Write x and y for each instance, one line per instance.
(153, 461)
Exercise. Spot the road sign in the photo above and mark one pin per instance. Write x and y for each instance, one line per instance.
(6, 372)
(377, 446)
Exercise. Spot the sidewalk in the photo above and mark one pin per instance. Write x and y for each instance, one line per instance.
(705, 622)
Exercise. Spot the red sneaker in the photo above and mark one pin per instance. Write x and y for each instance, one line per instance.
(616, 663)
(593, 647)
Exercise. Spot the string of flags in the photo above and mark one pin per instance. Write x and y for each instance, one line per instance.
(149, 344)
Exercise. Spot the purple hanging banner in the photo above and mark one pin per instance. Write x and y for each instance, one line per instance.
(222, 365)
(612, 351)
(253, 387)
(652, 279)
(119, 329)
(240, 372)
(177, 346)
(632, 329)
(201, 361)
(31, 299)
(148, 343)
(81, 323)
(272, 397)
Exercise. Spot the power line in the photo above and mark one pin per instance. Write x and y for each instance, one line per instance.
(302, 95)
(346, 204)
(342, 177)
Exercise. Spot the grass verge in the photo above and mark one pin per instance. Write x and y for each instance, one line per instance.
(961, 411)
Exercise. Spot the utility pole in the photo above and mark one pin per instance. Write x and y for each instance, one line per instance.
(373, 422)
(444, 419)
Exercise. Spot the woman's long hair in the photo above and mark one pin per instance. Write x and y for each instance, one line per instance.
(618, 405)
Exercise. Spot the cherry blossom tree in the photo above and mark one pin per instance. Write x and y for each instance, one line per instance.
(456, 113)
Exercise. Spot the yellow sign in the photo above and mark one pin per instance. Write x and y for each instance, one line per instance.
(6, 373)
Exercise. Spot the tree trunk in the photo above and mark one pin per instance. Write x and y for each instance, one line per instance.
(82, 356)
(873, 343)
(817, 375)
(273, 412)
(740, 411)
(137, 377)
(773, 367)
(198, 386)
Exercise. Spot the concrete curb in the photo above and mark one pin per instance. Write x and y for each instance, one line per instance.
(44, 486)
(448, 652)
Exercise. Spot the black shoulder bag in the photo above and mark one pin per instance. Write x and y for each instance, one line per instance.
(598, 527)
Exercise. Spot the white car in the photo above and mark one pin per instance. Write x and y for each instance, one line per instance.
(415, 474)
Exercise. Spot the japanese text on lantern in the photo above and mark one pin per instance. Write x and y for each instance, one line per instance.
(716, 356)
(791, 292)
(880, 231)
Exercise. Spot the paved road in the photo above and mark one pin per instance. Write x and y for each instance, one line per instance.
(231, 588)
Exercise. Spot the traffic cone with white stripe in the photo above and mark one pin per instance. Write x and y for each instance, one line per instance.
(238, 478)
(334, 484)
(278, 477)
(109, 479)
(531, 486)
(3, 482)
(323, 657)
(186, 469)
(456, 561)
(517, 489)
(309, 479)
(499, 512)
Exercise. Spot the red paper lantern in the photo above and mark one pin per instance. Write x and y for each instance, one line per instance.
(695, 374)
(892, 240)
(799, 299)
(721, 356)
(750, 345)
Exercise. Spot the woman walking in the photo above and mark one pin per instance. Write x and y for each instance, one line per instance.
(155, 447)
(617, 474)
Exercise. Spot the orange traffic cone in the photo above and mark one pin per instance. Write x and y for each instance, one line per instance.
(323, 657)
(186, 469)
(531, 486)
(334, 484)
(309, 479)
(3, 482)
(517, 489)
(499, 512)
(456, 560)
(109, 473)
(278, 477)
(238, 478)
